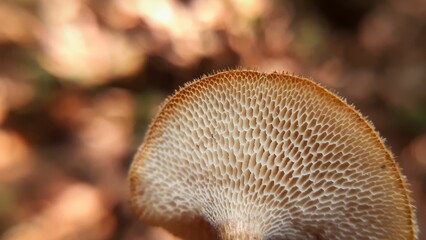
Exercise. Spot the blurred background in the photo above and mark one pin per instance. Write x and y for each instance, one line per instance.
(81, 79)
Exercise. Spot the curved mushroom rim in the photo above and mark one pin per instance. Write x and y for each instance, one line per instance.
(186, 91)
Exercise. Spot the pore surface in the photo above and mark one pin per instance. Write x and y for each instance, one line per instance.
(275, 155)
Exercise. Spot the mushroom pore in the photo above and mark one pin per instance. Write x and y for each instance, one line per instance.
(248, 155)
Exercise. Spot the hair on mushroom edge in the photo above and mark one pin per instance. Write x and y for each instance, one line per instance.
(211, 219)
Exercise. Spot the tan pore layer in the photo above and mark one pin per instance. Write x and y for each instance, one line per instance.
(246, 155)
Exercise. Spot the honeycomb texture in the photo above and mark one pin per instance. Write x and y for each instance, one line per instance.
(247, 155)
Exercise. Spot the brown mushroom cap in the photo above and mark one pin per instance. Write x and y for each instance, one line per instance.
(248, 155)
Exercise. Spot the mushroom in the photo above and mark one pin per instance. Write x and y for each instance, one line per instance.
(248, 155)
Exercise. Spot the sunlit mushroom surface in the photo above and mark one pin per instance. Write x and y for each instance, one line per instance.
(269, 156)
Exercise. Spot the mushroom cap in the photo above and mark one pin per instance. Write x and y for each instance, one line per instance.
(248, 155)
